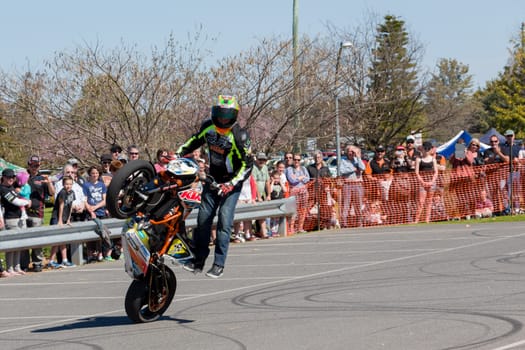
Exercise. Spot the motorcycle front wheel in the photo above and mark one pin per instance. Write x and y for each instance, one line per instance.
(125, 195)
(144, 305)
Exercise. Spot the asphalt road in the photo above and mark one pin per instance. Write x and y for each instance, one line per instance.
(426, 287)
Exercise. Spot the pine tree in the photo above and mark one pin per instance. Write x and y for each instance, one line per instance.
(393, 86)
(504, 98)
(448, 102)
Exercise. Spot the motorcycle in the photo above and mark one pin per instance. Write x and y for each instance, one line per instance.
(154, 239)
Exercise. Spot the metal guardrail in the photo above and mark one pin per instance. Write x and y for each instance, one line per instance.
(81, 232)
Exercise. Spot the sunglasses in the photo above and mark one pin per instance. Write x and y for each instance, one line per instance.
(134, 153)
(493, 141)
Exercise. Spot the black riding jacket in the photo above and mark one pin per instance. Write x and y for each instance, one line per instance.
(229, 155)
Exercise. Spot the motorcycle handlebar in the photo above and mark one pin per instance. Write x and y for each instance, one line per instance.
(211, 181)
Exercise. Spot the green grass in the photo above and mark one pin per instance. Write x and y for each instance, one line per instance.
(503, 218)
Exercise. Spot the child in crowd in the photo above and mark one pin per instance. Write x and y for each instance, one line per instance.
(60, 216)
(374, 215)
(484, 206)
(248, 195)
(439, 213)
(276, 190)
(24, 190)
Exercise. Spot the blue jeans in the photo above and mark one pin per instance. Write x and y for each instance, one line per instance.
(211, 202)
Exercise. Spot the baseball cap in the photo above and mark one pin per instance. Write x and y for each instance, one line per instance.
(106, 158)
(33, 160)
(123, 158)
(410, 138)
(262, 156)
(509, 132)
(8, 172)
(400, 148)
(380, 148)
(72, 161)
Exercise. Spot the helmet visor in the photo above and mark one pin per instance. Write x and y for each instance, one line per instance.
(223, 117)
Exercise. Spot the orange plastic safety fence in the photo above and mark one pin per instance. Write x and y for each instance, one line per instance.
(399, 198)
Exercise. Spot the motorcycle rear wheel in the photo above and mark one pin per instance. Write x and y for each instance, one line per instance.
(123, 199)
(137, 302)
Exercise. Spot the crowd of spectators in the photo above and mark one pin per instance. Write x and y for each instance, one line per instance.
(76, 195)
(405, 183)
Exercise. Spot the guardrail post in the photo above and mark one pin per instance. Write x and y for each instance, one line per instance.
(77, 253)
(283, 224)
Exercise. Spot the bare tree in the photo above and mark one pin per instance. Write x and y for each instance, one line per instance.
(92, 98)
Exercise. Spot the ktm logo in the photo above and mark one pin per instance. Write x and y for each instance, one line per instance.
(190, 195)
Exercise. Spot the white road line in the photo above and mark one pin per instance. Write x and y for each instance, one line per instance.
(294, 278)
(511, 346)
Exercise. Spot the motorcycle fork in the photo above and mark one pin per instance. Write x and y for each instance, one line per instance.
(158, 287)
(158, 283)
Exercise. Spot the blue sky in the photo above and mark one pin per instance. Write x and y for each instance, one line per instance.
(475, 32)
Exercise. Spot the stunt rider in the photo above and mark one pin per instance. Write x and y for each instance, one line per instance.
(230, 158)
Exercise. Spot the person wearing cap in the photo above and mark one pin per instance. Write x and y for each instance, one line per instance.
(262, 177)
(42, 187)
(379, 171)
(509, 147)
(72, 161)
(379, 164)
(426, 173)
(511, 150)
(494, 155)
(411, 152)
(122, 158)
(12, 203)
(115, 150)
(3, 271)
